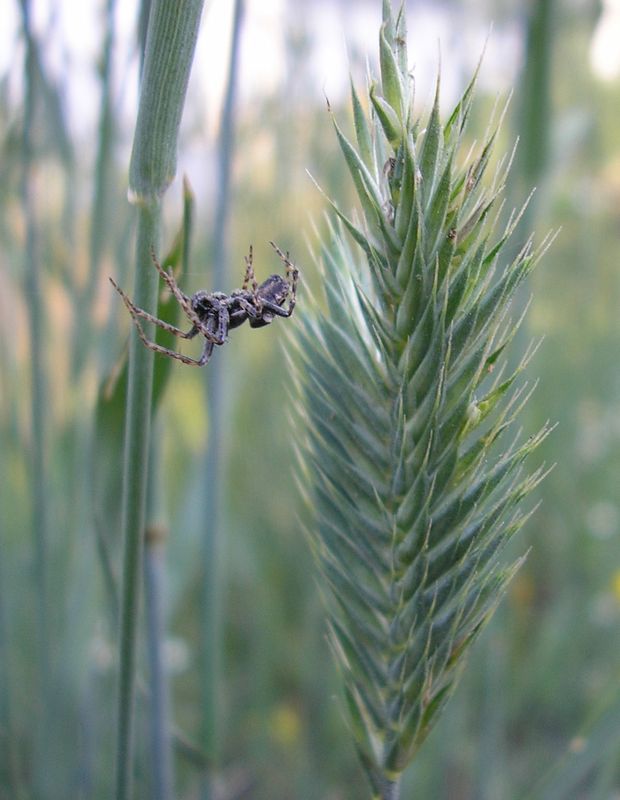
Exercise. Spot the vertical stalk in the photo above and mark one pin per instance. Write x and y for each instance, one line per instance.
(170, 42)
(535, 91)
(159, 696)
(8, 765)
(100, 200)
(215, 392)
(38, 432)
(391, 790)
(534, 109)
(137, 430)
(226, 141)
(492, 745)
(36, 327)
(162, 781)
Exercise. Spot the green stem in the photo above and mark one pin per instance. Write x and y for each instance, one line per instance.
(36, 327)
(160, 727)
(100, 202)
(226, 141)
(137, 430)
(8, 764)
(535, 91)
(170, 42)
(534, 115)
(215, 392)
(491, 748)
(162, 780)
(391, 790)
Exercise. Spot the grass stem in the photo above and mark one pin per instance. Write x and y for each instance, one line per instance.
(99, 223)
(169, 51)
(137, 430)
(38, 390)
(215, 392)
(155, 584)
(162, 781)
(8, 762)
(392, 791)
(34, 307)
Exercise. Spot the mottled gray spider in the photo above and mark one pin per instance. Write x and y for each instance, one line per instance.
(214, 314)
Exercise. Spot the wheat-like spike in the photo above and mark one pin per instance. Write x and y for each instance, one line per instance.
(407, 462)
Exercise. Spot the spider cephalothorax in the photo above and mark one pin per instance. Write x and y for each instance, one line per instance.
(214, 314)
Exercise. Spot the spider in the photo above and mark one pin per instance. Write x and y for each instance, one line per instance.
(214, 314)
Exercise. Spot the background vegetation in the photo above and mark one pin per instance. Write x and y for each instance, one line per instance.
(542, 684)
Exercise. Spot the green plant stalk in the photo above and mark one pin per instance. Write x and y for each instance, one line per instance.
(391, 790)
(99, 221)
(533, 122)
(137, 431)
(162, 780)
(211, 600)
(535, 106)
(38, 390)
(8, 764)
(36, 321)
(9, 435)
(215, 390)
(170, 43)
(491, 755)
(109, 428)
(226, 142)
(533, 119)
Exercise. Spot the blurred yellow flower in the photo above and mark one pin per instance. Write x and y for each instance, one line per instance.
(523, 591)
(285, 724)
(615, 584)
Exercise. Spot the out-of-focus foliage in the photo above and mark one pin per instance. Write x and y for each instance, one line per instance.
(555, 636)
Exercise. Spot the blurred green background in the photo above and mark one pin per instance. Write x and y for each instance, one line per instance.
(543, 686)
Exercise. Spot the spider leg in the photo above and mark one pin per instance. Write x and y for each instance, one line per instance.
(274, 308)
(249, 272)
(158, 348)
(207, 351)
(194, 362)
(292, 275)
(138, 312)
(223, 325)
(249, 309)
(183, 300)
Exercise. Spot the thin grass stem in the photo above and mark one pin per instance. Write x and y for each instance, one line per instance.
(36, 327)
(137, 431)
(162, 776)
(211, 606)
(38, 388)
(8, 764)
(226, 143)
(392, 791)
(170, 42)
(99, 222)
(162, 780)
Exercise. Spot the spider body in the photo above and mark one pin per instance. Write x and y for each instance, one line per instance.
(214, 314)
